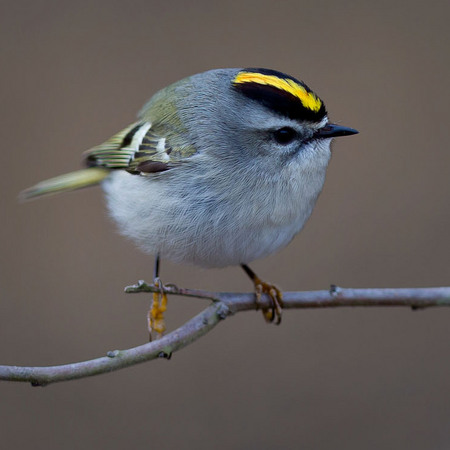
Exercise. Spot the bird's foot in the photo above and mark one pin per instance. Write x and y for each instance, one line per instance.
(156, 321)
(274, 313)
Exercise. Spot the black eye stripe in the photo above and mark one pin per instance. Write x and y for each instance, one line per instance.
(284, 135)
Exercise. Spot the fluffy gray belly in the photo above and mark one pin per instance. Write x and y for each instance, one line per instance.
(200, 226)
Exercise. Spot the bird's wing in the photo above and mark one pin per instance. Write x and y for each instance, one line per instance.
(139, 149)
(142, 148)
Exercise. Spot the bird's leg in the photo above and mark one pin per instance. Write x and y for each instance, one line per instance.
(275, 294)
(156, 313)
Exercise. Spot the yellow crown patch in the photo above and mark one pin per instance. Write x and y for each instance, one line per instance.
(308, 99)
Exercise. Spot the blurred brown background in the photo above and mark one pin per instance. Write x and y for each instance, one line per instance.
(74, 73)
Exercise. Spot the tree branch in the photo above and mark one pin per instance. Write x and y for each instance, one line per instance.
(224, 304)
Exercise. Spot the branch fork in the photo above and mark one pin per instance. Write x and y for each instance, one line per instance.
(223, 304)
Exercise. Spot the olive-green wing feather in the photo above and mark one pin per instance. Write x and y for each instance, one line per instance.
(138, 149)
(67, 182)
(117, 151)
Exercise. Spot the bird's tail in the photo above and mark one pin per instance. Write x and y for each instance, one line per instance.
(67, 182)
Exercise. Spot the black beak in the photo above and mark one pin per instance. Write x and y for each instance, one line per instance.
(331, 130)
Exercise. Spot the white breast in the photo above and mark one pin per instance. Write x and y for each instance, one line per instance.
(210, 219)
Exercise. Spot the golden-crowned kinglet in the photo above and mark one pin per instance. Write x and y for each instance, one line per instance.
(220, 169)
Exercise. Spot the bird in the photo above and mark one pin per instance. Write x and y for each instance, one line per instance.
(220, 169)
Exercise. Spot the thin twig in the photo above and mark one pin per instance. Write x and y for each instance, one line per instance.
(224, 304)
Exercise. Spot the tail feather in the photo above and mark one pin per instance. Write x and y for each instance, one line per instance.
(67, 182)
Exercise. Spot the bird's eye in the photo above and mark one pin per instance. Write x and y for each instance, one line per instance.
(284, 135)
